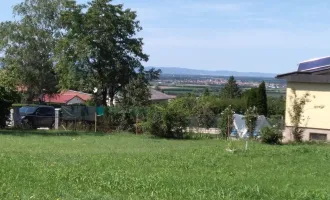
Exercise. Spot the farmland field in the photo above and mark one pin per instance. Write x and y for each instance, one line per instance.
(123, 166)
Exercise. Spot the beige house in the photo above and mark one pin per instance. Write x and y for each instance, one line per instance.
(312, 77)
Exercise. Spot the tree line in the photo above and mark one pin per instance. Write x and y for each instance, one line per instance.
(254, 97)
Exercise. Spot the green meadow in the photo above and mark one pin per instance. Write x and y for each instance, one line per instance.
(53, 165)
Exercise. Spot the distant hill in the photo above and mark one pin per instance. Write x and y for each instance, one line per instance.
(186, 71)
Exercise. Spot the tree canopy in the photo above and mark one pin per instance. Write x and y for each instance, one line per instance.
(231, 89)
(101, 48)
(252, 96)
(261, 102)
(27, 47)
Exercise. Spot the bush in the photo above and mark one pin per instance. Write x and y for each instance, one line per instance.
(123, 118)
(204, 112)
(167, 121)
(271, 135)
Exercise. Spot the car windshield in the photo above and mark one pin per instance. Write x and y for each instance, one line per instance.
(27, 110)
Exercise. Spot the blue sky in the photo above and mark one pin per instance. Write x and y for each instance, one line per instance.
(248, 36)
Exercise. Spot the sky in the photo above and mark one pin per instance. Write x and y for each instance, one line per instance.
(268, 36)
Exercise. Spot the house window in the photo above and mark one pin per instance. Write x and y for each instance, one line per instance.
(317, 136)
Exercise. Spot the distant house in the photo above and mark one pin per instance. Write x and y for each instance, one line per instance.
(241, 131)
(156, 97)
(68, 97)
(313, 77)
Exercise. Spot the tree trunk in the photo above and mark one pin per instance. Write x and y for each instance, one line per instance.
(104, 97)
(111, 101)
(111, 96)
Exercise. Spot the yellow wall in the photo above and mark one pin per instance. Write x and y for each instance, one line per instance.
(320, 96)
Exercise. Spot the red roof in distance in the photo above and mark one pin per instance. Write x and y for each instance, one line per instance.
(66, 96)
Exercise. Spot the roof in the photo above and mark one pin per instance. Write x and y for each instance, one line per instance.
(82, 95)
(63, 99)
(157, 95)
(66, 96)
(309, 67)
(315, 63)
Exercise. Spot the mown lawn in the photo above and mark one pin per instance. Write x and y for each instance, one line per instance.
(125, 166)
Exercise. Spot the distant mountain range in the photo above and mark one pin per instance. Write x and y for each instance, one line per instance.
(186, 71)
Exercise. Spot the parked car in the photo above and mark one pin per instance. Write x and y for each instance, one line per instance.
(38, 116)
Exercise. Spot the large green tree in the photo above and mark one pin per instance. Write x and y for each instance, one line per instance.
(252, 97)
(27, 47)
(231, 89)
(100, 48)
(261, 102)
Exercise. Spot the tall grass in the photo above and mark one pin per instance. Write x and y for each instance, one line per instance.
(125, 166)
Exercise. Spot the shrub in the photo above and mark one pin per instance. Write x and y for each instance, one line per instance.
(123, 118)
(204, 112)
(271, 135)
(226, 122)
(167, 121)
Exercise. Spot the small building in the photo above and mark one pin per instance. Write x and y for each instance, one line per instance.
(69, 97)
(159, 97)
(240, 130)
(312, 77)
(156, 97)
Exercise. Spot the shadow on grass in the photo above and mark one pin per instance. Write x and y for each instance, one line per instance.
(22, 133)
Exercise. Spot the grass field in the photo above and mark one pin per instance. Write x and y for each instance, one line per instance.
(125, 166)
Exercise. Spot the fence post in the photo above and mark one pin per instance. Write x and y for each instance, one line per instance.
(57, 118)
(95, 121)
(15, 117)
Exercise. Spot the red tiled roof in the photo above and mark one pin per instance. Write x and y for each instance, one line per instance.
(83, 96)
(66, 96)
(59, 98)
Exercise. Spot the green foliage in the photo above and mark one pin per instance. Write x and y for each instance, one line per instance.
(251, 117)
(204, 112)
(276, 106)
(184, 104)
(122, 118)
(226, 122)
(168, 121)
(90, 102)
(271, 135)
(7, 98)
(157, 87)
(135, 93)
(28, 47)
(257, 97)
(261, 101)
(101, 46)
(252, 96)
(296, 113)
(206, 92)
(231, 89)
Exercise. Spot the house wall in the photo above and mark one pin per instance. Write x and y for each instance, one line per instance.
(317, 120)
(75, 100)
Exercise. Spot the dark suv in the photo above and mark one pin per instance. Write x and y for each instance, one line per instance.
(38, 116)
